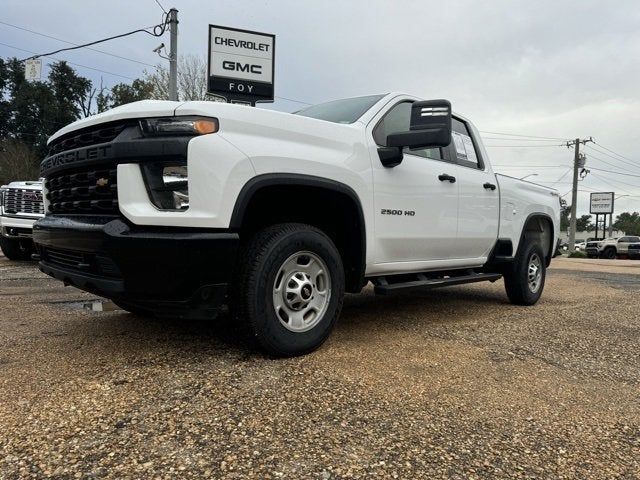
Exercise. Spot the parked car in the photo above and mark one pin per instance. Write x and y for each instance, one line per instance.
(281, 213)
(20, 206)
(633, 251)
(580, 245)
(611, 247)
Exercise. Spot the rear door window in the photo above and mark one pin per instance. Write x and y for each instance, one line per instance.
(462, 148)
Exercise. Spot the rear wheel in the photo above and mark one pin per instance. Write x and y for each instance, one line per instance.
(290, 288)
(16, 249)
(524, 281)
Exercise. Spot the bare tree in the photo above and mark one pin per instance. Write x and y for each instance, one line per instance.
(17, 162)
(192, 79)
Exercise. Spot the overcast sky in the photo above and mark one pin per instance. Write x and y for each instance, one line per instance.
(544, 68)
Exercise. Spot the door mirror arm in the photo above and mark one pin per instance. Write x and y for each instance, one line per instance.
(390, 156)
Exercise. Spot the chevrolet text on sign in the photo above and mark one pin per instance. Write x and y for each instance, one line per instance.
(601, 202)
(241, 64)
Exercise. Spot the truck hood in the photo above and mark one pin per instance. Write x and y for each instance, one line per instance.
(35, 185)
(242, 122)
(232, 118)
(144, 108)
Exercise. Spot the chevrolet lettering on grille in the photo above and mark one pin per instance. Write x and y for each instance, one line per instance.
(91, 153)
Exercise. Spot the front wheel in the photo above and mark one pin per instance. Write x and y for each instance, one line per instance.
(290, 288)
(15, 249)
(524, 281)
(609, 253)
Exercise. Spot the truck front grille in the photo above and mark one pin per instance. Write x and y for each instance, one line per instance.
(19, 201)
(83, 191)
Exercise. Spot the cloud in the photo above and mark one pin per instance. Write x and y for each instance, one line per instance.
(549, 68)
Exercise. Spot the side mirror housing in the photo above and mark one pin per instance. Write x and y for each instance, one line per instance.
(430, 127)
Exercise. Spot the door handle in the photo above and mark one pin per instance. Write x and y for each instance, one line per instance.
(446, 178)
(489, 186)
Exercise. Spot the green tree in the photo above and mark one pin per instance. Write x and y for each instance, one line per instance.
(123, 93)
(583, 223)
(31, 111)
(628, 222)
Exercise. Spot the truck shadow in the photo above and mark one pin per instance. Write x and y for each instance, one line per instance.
(364, 311)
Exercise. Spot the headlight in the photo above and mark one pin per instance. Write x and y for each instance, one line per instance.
(167, 185)
(169, 126)
(600, 244)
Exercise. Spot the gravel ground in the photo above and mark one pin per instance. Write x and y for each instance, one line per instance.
(451, 383)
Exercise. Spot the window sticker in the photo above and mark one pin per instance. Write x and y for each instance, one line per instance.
(464, 147)
(459, 144)
(468, 146)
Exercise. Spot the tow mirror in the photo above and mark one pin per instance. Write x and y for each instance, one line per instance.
(430, 127)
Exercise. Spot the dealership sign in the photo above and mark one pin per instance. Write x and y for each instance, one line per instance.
(241, 65)
(601, 203)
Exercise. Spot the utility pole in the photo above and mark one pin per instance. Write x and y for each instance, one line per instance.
(173, 55)
(574, 193)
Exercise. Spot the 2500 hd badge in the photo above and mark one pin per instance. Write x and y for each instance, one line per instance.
(408, 213)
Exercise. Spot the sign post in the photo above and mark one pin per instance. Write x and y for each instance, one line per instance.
(601, 203)
(241, 65)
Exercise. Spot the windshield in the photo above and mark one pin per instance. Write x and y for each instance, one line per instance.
(347, 110)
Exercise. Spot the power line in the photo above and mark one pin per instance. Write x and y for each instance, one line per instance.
(599, 159)
(530, 166)
(562, 176)
(71, 63)
(608, 182)
(71, 43)
(524, 136)
(160, 5)
(158, 30)
(609, 150)
(611, 171)
(633, 164)
(525, 146)
(293, 100)
(519, 139)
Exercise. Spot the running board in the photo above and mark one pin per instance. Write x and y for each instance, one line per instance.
(383, 287)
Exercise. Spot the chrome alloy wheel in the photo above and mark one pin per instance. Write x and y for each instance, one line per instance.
(534, 273)
(301, 291)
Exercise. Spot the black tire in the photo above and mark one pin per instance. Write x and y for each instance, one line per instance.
(516, 279)
(16, 249)
(261, 261)
(609, 253)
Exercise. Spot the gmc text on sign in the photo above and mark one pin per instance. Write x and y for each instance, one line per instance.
(241, 64)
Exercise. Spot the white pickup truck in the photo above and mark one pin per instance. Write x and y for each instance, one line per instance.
(20, 206)
(175, 208)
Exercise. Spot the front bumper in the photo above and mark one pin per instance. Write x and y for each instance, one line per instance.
(592, 251)
(165, 270)
(16, 227)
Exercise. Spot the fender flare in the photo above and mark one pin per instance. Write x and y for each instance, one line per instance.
(294, 179)
(530, 217)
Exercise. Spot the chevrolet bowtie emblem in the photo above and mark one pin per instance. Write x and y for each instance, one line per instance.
(102, 182)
